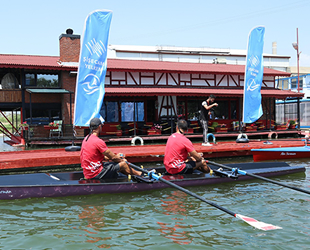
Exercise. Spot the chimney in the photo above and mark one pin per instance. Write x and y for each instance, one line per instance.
(69, 46)
(274, 48)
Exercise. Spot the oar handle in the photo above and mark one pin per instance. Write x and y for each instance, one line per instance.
(262, 178)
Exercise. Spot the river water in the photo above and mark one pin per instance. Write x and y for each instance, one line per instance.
(164, 219)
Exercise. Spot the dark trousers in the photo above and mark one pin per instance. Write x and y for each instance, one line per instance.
(204, 125)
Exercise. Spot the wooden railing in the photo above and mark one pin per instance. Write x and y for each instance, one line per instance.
(10, 95)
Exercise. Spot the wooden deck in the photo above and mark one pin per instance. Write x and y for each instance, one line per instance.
(49, 158)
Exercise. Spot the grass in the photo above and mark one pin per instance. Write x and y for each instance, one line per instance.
(4, 121)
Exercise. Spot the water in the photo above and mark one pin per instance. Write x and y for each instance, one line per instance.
(5, 147)
(163, 219)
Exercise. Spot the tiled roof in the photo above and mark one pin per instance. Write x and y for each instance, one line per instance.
(183, 67)
(51, 62)
(26, 61)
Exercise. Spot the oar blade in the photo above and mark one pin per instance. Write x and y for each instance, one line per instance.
(257, 224)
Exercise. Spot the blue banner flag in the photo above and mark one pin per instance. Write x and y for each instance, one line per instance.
(254, 70)
(92, 69)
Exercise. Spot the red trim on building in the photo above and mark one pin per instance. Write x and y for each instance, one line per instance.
(176, 91)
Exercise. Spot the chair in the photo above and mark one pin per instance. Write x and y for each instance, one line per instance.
(57, 131)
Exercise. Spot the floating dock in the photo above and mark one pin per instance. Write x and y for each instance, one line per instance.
(50, 158)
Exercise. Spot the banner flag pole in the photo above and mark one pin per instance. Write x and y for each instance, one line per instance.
(254, 70)
(92, 68)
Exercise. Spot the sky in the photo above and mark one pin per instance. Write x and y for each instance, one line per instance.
(33, 27)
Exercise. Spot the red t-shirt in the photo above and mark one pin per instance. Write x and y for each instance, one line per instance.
(92, 156)
(176, 153)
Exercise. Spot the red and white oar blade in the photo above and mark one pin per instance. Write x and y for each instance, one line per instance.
(257, 224)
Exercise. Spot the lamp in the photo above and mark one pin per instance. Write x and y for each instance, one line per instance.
(296, 47)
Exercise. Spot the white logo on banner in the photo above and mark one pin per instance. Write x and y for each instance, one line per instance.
(252, 85)
(254, 60)
(92, 83)
(95, 47)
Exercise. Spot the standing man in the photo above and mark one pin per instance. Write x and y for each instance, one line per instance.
(205, 112)
(94, 151)
(180, 155)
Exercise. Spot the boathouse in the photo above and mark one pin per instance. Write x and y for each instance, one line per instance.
(142, 97)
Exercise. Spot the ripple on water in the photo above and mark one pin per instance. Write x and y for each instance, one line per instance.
(167, 219)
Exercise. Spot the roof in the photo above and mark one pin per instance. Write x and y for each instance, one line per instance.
(181, 91)
(53, 63)
(29, 62)
(183, 67)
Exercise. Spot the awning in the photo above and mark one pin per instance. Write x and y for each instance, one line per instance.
(185, 91)
(49, 91)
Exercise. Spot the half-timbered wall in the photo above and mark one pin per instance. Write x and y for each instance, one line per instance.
(167, 106)
(175, 79)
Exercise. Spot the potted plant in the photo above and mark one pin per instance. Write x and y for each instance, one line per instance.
(24, 126)
(212, 126)
(51, 125)
(155, 130)
(119, 131)
(292, 124)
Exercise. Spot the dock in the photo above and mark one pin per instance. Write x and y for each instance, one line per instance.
(52, 158)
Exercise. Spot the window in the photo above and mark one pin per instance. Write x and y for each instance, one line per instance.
(30, 80)
(42, 80)
(109, 111)
(294, 83)
(128, 111)
(47, 81)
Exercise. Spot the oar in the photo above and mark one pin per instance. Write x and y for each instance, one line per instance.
(250, 221)
(260, 177)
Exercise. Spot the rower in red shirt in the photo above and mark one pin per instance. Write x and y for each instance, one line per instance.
(93, 153)
(180, 154)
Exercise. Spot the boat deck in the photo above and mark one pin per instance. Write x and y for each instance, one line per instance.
(49, 158)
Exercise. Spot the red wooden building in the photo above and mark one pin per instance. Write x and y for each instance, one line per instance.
(138, 93)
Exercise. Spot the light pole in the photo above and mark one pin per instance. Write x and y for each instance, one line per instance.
(296, 47)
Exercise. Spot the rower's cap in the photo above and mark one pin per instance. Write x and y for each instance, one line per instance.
(94, 123)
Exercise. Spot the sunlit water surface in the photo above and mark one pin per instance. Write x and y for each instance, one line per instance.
(164, 219)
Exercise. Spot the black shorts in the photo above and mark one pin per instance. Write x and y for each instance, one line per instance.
(110, 171)
(189, 168)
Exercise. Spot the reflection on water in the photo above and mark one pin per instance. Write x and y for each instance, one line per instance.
(95, 219)
(164, 219)
(176, 231)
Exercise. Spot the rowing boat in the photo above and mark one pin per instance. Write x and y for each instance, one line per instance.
(20, 186)
(268, 154)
